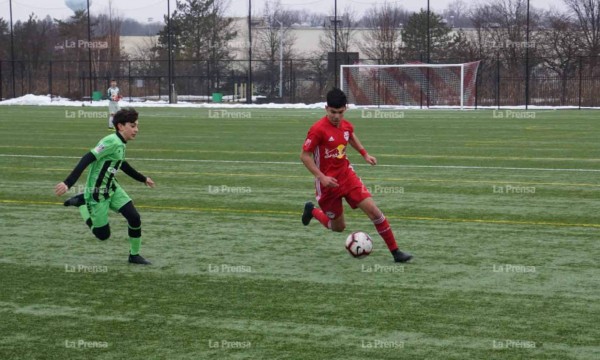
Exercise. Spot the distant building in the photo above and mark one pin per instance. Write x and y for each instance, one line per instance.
(306, 39)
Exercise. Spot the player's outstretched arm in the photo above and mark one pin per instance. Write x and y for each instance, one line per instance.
(356, 144)
(62, 187)
(134, 174)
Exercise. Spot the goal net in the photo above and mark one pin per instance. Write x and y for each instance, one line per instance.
(411, 85)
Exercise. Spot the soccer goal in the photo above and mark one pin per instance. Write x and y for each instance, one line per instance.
(411, 85)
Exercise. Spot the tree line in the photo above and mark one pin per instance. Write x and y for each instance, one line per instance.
(202, 35)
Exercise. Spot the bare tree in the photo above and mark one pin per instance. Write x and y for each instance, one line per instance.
(501, 30)
(456, 14)
(560, 46)
(109, 27)
(275, 45)
(4, 39)
(383, 39)
(346, 29)
(587, 13)
(33, 42)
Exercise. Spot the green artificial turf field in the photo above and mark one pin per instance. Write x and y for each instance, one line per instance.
(501, 212)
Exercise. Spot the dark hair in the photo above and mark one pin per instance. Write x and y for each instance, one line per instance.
(336, 98)
(125, 115)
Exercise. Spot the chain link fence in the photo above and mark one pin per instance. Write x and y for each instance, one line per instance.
(550, 82)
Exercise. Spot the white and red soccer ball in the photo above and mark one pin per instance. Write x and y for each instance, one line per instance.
(359, 244)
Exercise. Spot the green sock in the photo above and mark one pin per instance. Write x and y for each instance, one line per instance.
(83, 210)
(134, 245)
(85, 214)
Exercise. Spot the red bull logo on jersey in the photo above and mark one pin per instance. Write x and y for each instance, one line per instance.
(338, 152)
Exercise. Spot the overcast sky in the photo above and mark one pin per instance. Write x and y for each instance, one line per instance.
(143, 10)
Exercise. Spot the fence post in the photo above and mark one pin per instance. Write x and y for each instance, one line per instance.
(527, 79)
(50, 79)
(208, 82)
(477, 80)
(129, 78)
(422, 83)
(22, 77)
(291, 81)
(498, 80)
(580, 79)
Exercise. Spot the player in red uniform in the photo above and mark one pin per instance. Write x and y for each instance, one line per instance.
(324, 155)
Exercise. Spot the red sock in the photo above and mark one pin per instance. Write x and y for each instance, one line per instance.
(384, 229)
(323, 219)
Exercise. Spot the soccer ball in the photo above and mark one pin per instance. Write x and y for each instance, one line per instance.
(359, 244)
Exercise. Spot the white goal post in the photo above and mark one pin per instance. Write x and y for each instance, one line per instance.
(411, 85)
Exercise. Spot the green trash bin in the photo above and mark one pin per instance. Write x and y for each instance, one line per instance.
(97, 95)
(217, 97)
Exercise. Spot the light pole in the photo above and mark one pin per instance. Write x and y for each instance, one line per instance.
(249, 85)
(335, 43)
(280, 59)
(12, 52)
(169, 56)
(428, 34)
(89, 49)
(527, 60)
(268, 21)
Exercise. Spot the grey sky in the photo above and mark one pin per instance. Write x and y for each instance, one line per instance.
(142, 10)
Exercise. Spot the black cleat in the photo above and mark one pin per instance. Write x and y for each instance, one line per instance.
(138, 259)
(401, 257)
(76, 200)
(307, 214)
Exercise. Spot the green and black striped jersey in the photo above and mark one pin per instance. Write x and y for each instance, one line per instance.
(101, 181)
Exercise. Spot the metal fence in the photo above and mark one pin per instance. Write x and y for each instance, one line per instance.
(499, 82)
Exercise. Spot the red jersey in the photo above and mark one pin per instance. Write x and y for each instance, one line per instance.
(328, 145)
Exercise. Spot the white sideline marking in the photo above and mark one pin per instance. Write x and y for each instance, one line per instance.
(299, 163)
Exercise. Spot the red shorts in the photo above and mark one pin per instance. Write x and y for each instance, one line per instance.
(350, 187)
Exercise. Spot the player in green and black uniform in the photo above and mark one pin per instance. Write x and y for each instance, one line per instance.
(102, 191)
